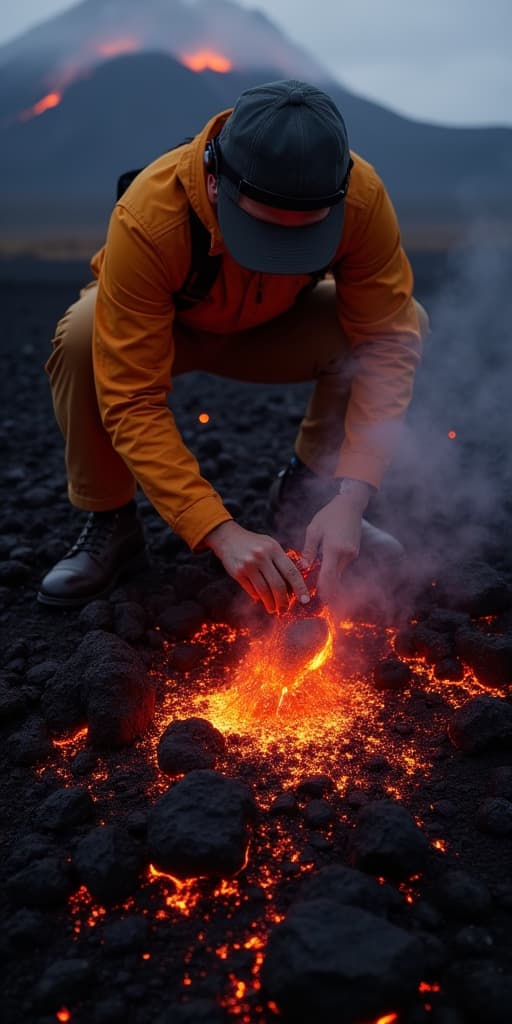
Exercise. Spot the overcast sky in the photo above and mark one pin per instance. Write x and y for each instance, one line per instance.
(439, 60)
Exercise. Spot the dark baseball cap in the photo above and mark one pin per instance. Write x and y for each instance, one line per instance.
(284, 145)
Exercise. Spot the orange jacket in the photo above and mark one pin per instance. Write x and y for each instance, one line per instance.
(146, 259)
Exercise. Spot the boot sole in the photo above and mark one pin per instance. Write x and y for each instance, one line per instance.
(136, 565)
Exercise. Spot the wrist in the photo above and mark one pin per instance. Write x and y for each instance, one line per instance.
(216, 537)
(357, 492)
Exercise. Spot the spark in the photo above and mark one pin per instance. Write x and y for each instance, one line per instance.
(452, 434)
(203, 417)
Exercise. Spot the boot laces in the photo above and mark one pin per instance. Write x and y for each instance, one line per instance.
(95, 536)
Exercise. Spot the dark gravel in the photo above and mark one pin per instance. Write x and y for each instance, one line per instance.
(368, 882)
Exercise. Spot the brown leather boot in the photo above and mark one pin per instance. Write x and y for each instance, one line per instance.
(111, 545)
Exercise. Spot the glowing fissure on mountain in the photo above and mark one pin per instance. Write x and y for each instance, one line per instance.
(207, 59)
(102, 50)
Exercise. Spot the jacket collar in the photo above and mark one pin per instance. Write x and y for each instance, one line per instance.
(191, 172)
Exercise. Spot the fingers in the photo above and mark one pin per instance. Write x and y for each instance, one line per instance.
(292, 577)
(264, 592)
(334, 563)
(311, 542)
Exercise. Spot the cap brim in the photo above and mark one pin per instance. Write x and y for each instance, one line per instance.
(272, 248)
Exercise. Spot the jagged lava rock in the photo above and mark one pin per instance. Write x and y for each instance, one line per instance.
(200, 826)
(500, 781)
(30, 745)
(181, 621)
(64, 809)
(108, 862)
(476, 588)
(391, 674)
(197, 1011)
(330, 963)
(349, 887)
(131, 933)
(489, 656)
(105, 683)
(483, 723)
(318, 813)
(43, 884)
(494, 816)
(300, 641)
(188, 744)
(62, 982)
(130, 621)
(460, 896)
(387, 840)
(315, 786)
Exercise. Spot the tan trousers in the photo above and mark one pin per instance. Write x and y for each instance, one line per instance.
(304, 344)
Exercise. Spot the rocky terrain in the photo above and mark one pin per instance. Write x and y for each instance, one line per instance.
(212, 816)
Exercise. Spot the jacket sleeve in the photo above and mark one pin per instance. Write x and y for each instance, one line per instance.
(133, 352)
(379, 319)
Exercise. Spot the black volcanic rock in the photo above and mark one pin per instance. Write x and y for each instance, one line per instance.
(329, 963)
(130, 933)
(129, 621)
(104, 683)
(120, 696)
(108, 862)
(387, 841)
(284, 806)
(483, 723)
(391, 674)
(489, 656)
(474, 587)
(315, 786)
(301, 640)
(43, 884)
(30, 745)
(460, 896)
(500, 781)
(200, 826)
(349, 887)
(494, 816)
(318, 813)
(26, 929)
(96, 615)
(197, 1011)
(62, 982)
(64, 809)
(181, 621)
(187, 744)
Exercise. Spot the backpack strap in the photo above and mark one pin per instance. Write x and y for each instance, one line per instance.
(204, 269)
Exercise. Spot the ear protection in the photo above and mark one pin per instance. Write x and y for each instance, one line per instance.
(211, 159)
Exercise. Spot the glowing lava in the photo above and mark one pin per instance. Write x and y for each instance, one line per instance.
(207, 60)
(118, 47)
(52, 99)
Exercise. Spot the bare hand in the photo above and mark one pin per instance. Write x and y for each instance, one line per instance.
(259, 564)
(336, 531)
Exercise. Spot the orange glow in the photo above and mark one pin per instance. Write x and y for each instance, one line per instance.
(440, 844)
(452, 435)
(207, 60)
(51, 100)
(69, 741)
(203, 417)
(146, 956)
(389, 1018)
(116, 47)
(63, 1015)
